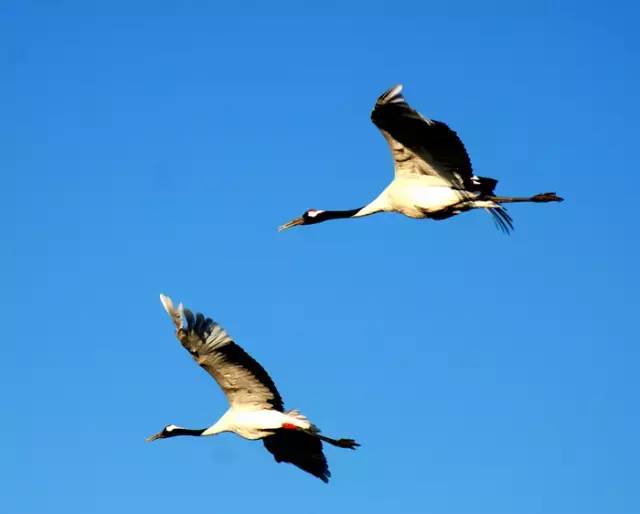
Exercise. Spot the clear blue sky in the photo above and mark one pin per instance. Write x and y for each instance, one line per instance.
(151, 147)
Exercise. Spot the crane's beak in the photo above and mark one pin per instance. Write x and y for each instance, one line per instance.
(154, 437)
(292, 223)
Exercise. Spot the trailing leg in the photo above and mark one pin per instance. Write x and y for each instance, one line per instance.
(314, 432)
(539, 198)
(340, 443)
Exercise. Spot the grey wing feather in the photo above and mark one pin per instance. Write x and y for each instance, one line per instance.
(420, 146)
(243, 380)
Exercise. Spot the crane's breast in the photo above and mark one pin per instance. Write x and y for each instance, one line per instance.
(417, 197)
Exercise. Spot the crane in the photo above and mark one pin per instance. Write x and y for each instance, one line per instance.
(256, 408)
(433, 174)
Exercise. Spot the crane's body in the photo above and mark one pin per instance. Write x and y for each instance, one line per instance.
(255, 424)
(256, 409)
(421, 196)
(433, 174)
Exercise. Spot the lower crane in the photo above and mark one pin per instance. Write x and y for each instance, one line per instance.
(256, 408)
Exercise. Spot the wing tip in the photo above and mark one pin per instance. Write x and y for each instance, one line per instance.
(167, 303)
(175, 314)
(391, 95)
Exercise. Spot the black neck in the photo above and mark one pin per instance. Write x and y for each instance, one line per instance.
(334, 215)
(187, 431)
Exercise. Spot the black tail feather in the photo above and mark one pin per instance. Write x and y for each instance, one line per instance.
(485, 185)
(501, 217)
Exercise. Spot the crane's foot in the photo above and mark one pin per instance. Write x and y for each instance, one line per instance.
(547, 197)
(347, 443)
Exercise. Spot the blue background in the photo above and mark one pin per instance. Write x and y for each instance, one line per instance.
(151, 147)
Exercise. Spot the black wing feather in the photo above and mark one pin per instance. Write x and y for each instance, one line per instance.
(432, 140)
(301, 450)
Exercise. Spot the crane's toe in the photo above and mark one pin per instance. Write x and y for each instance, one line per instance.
(547, 197)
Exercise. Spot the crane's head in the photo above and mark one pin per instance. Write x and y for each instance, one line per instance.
(168, 431)
(308, 218)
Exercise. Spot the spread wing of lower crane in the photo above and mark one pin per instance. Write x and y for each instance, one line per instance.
(243, 380)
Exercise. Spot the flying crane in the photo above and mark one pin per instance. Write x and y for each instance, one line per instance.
(433, 174)
(256, 408)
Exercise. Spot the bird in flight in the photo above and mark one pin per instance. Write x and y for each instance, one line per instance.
(433, 174)
(256, 409)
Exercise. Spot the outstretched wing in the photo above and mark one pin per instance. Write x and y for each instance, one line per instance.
(301, 450)
(243, 380)
(420, 146)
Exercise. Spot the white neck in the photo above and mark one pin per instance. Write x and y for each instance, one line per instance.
(216, 428)
(222, 425)
(378, 205)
